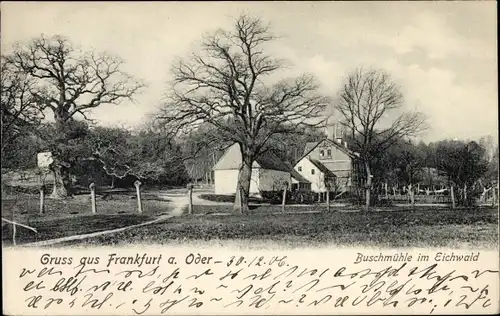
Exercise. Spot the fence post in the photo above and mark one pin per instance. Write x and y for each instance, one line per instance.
(452, 198)
(14, 226)
(494, 195)
(190, 198)
(137, 184)
(328, 199)
(285, 187)
(92, 197)
(42, 200)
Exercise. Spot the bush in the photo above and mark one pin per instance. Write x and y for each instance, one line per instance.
(300, 197)
(218, 197)
(273, 197)
(13, 190)
(292, 197)
(229, 198)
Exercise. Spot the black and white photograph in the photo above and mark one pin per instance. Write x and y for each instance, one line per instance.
(252, 126)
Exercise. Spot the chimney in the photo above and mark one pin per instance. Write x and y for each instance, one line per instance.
(337, 135)
(329, 131)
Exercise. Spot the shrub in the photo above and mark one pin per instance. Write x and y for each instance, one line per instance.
(12, 190)
(292, 197)
(218, 197)
(273, 197)
(229, 198)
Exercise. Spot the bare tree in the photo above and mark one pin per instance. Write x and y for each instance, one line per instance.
(68, 81)
(224, 86)
(366, 101)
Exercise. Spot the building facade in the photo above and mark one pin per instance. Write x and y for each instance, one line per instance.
(330, 158)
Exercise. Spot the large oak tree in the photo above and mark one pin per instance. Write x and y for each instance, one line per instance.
(227, 85)
(68, 81)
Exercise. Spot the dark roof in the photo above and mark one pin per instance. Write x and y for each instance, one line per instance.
(232, 160)
(268, 160)
(322, 167)
(311, 145)
(297, 176)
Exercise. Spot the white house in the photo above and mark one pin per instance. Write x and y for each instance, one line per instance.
(314, 172)
(268, 172)
(332, 158)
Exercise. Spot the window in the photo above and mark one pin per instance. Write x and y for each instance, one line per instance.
(300, 168)
(329, 153)
(322, 153)
(312, 171)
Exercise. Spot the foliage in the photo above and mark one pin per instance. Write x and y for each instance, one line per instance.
(227, 198)
(19, 111)
(464, 164)
(145, 155)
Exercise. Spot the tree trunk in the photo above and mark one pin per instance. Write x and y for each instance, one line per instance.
(465, 194)
(243, 188)
(411, 192)
(112, 182)
(368, 185)
(62, 183)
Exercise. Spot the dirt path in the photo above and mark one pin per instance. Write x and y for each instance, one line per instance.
(179, 202)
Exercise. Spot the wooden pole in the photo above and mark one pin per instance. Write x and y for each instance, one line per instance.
(452, 197)
(411, 192)
(14, 228)
(494, 197)
(137, 184)
(190, 197)
(42, 200)
(285, 187)
(92, 197)
(327, 198)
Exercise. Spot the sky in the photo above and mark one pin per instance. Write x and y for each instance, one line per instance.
(442, 54)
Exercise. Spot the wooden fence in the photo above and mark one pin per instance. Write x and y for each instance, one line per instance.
(419, 199)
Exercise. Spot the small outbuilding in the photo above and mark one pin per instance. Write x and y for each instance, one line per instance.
(268, 172)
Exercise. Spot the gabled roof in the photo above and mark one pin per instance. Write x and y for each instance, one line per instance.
(310, 146)
(297, 176)
(321, 167)
(232, 160)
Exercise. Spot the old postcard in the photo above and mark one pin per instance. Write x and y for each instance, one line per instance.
(249, 158)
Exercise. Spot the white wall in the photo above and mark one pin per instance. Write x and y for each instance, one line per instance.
(270, 180)
(226, 180)
(316, 179)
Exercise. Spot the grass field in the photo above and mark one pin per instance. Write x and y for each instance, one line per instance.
(256, 208)
(399, 228)
(74, 216)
